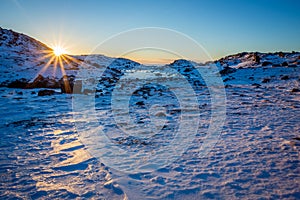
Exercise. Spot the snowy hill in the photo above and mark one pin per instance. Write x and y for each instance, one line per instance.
(19, 55)
(260, 68)
(256, 59)
(24, 59)
(19, 43)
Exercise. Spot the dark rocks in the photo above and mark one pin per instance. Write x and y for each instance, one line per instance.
(46, 92)
(227, 70)
(281, 54)
(115, 71)
(198, 83)
(187, 70)
(285, 77)
(140, 103)
(38, 82)
(21, 83)
(66, 83)
(266, 63)
(284, 64)
(296, 138)
(295, 90)
(256, 85)
(256, 58)
(149, 90)
(251, 78)
(266, 80)
(226, 79)
(292, 66)
(42, 82)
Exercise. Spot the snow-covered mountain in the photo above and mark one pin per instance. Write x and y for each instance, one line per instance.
(18, 43)
(24, 58)
(27, 63)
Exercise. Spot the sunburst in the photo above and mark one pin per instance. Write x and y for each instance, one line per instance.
(57, 56)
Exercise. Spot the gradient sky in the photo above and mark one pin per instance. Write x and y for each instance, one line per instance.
(222, 27)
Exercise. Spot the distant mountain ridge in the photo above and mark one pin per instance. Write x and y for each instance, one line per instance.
(23, 60)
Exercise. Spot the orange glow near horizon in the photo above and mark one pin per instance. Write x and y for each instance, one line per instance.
(144, 56)
(152, 56)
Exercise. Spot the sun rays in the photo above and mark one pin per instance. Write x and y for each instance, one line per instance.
(57, 58)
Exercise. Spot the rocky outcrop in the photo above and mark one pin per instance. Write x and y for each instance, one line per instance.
(42, 82)
(227, 70)
(66, 83)
(20, 83)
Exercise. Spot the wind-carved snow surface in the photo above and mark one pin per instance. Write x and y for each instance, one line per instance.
(256, 156)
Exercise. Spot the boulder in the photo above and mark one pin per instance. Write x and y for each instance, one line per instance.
(295, 90)
(285, 77)
(256, 85)
(227, 70)
(284, 64)
(140, 103)
(266, 63)
(46, 92)
(266, 80)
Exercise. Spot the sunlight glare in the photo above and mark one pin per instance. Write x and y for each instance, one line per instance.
(58, 51)
(57, 58)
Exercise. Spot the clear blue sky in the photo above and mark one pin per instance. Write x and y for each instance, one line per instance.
(223, 27)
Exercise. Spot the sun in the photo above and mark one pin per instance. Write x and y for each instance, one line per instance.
(58, 51)
(57, 57)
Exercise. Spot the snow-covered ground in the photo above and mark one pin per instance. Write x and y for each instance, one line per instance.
(256, 156)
